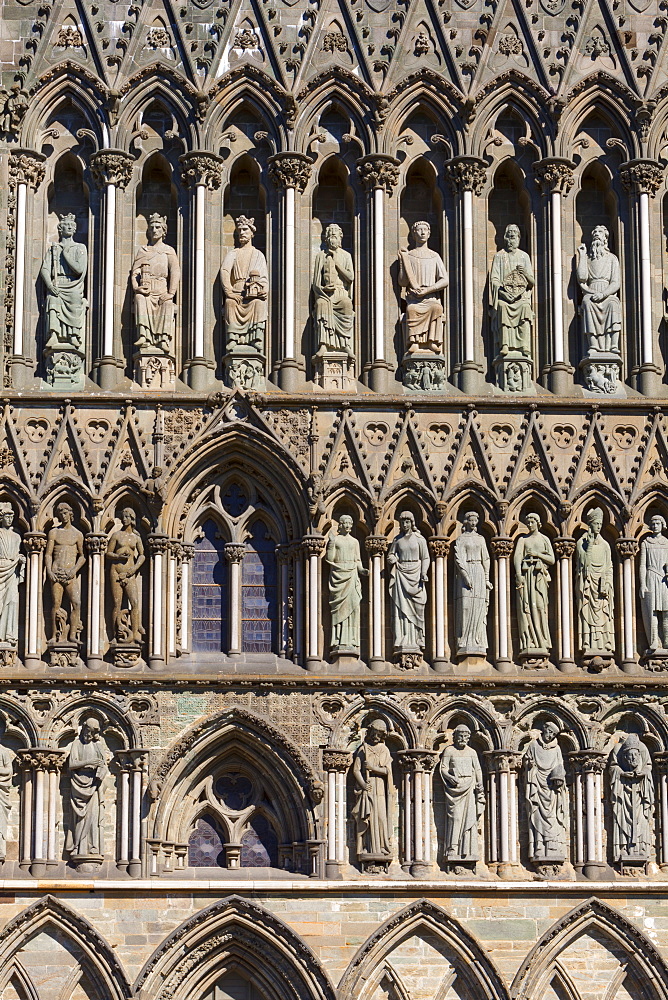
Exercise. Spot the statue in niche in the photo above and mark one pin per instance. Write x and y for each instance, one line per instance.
(345, 590)
(12, 573)
(654, 584)
(632, 795)
(245, 282)
(464, 799)
(64, 274)
(125, 552)
(599, 278)
(332, 286)
(545, 795)
(594, 588)
(533, 557)
(374, 790)
(510, 282)
(424, 276)
(6, 777)
(155, 278)
(63, 562)
(408, 559)
(87, 768)
(472, 588)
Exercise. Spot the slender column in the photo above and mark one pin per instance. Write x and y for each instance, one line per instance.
(502, 550)
(467, 175)
(337, 764)
(290, 172)
(314, 546)
(26, 812)
(40, 789)
(96, 545)
(234, 553)
(439, 548)
(111, 169)
(493, 819)
(376, 546)
(418, 764)
(642, 179)
(201, 171)
(503, 766)
(628, 550)
(379, 174)
(172, 596)
(139, 767)
(158, 546)
(124, 764)
(579, 828)
(589, 765)
(660, 761)
(298, 601)
(35, 544)
(187, 556)
(565, 547)
(554, 175)
(283, 559)
(26, 169)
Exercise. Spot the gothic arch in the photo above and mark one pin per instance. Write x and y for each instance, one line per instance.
(258, 96)
(570, 720)
(526, 102)
(476, 976)
(438, 105)
(590, 95)
(149, 86)
(375, 706)
(330, 91)
(68, 716)
(642, 958)
(61, 84)
(234, 934)
(479, 714)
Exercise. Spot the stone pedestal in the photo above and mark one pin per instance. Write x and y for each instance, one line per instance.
(334, 371)
(155, 371)
(65, 654)
(374, 864)
(86, 864)
(126, 654)
(514, 373)
(245, 369)
(601, 374)
(7, 654)
(423, 372)
(65, 370)
(655, 660)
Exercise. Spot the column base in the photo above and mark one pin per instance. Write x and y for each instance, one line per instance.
(107, 372)
(32, 662)
(506, 870)
(560, 380)
(441, 665)
(288, 375)
(199, 373)
(333, 870)
(379, 374)
(38, 867)
(595, 870)
(567, 666)
(134, 868)
(22, 371)
(470, 377)
(629, 666)
(313, 663)
(504, 665)
(156, 662)
(377, 665)
(649, 380)
(421, 869)
(94, 662)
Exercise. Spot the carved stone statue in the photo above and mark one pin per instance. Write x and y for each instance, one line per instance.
(64, 560)
(472, 588)
(87, 767)
(464, 797)
(155, 277)
(345, 590)
(408, 559)
(12, 573)
(372, 808)
(654, 584)
(245, 282)
(594, 588)
(424, 276)
(332, 285)
(632, 796)
(6, 776)
(64, 275)
(126, 555)
(545, 795)
(533, 557)
(510, 282)
(598, 275)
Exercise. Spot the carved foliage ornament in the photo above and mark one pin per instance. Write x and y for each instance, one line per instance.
(466, 173)
(645, 176)
(201, 168)
(111, 166)
(27, 167)
(554, 175)
(290, 170)
(335, 41)
(378, 172)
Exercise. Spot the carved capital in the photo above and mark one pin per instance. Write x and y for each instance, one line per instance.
(438, 547)
(41, 759)
(589, 761)
(336, 760)
(376, 545)
(564, 547)
(290, 170)
(660, 760)
(158, 544)
(504, 760)
(417, 760)
(642, 176)
(27, 167)
(187, 552)
(201, 168)
(501, 547)
(378, 171)
(34, 541)
(111, 166)
(466, 173)
(234, 551)
(313, 545)
(554, 174)
(96, 544)
(627, 547)
(176, 549)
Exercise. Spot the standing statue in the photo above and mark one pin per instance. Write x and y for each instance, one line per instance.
(599, 278)
(374, 789)
(510, 282)
(126, 555)
(533, 557)
(245, 282)
(155, 278)
(63, 561)
(464, 797)
(6, 777)
(332, 287)
(64, 274)
(594, 588)
(472, 587)
(632, 795)
(408, 559)
(545, 795)
(87, 767)
(654, 584)
(423, 274)
(345, 590)
(12, 573)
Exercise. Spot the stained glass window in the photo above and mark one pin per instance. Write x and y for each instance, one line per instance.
(259, 845)
(205, 846)
(209, 592)
(258, 592)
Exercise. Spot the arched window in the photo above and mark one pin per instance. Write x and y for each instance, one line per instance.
(233, 987)
(209, 592)
(205, 844)
(259, 591)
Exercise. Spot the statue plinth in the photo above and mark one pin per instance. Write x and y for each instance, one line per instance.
(423, 371)
(514, 373)
(655, 660)
(374, 864)
(86, 864)
(127, 654)
(601, 374)
(65, 369)
(154, 370)
(245, 368)
(65, 654)
(334, 371)
(7, 654)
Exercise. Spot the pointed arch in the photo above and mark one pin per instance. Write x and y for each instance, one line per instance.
(158, 83)
(600, 93)
(230, 95)
(67, 81)
(441, 103)
(337, 89)
(234, 934)
(571, 722)
(518, 93)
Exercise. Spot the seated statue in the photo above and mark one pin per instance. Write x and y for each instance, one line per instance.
(510, 282)
(599, 278)
(245, 282)
(332, 287)
(422, 273)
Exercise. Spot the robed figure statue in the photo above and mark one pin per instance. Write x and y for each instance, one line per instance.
(464, 797)
(408, 559)
(345, 590)
(87, 767)
(374, 790)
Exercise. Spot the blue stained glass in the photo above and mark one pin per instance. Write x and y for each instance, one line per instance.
(259, 845)
(259, 592)
(209, 592)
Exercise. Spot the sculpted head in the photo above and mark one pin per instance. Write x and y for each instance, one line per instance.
(157, 227)
(245, 229)
(6, 515)
(461, 736)
(90, 730)
(594, 519)
(421, 232)
(64, 513)
(406, 521)
(599, 240)
(532, 522)
(333, 236)
(376, 731)
(657, 523)
(345, 524)
(549, 730)
(67, 225)
(631, 752)
(512, 237)
(128, 516)
(471, 519)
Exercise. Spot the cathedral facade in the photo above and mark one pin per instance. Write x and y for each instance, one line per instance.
(334, 500)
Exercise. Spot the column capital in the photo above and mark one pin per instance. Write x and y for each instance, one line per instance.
(660, 760)
(439, 546)
(111, 166)
(504, 760)
(96, 543)
(589, 761)
(642, 176)
(466, 173)
(554, 173)
(158, 543)
(234, 551)
(26, 166)
(564, 547)
(41, 759)
(187, 552)
(627, 547)
(34, 541)
(201, 168)
(376, 545)
(502, 547)
(418, 760)
(334, 759)
(378, 171)
(313, 545)
(290, 170)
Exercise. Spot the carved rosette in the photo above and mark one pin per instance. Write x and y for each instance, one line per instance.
(313, 545)
(336, 760)
(376, 545)
(378, 171)
(290, 170)
(234, 551)
(589, 761)
(627, 547)
(26, 167)
(564, 547)
(502, 548)
(201, 169)
(111, 166)
(466, 173)
(554, 173)
(642, 176)
(438, 547)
